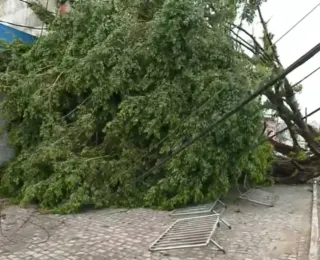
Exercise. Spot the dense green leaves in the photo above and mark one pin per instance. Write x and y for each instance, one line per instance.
(115, 86)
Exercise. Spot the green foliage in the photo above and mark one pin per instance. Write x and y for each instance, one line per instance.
(299, 155)
(111, 89)
(317, 139)
(302, 156)
(249, 8)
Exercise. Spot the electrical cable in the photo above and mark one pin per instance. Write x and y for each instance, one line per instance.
(307, 76)
(20, 25)
(199, 108)
(262, 53)
(206, 102)
(285, 34)
(286, 128)
(26, 26)
(307, 56)
(174, 131)
(297, 23)
(305, 117)
(294, 85)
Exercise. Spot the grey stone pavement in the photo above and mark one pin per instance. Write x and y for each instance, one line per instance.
(258, 232)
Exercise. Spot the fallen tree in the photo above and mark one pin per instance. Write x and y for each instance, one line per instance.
(293, 164)
(115, 85)
(299, 166)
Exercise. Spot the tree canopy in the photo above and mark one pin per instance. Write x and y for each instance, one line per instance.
(113, 87)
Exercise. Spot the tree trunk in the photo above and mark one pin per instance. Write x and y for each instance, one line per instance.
(293, 171)
(286, 172)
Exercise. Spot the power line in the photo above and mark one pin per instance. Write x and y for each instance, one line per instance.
(307, 56)
(286, 128)
(27, 26)
(307, 76)
(300, 81)
(297, 23)
(272, 45)
(188, 117)
(20, 25)
(203, 105)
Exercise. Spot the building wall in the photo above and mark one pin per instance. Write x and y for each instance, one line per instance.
(17, 12)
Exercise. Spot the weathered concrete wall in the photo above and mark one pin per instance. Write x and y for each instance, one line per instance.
(15, 11)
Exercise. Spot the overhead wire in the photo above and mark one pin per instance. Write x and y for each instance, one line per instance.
(263, 53)
(26, 26)
(303, 79)
(174, 131)
(177, 150)
(264, 56)
(297, 23)
(307, 76)
(244, 43)
(20, 25)
(307, 56)
(308, 115)
(286, 128)
(305, 117)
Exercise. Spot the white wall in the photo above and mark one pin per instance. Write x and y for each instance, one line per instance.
(15, 11)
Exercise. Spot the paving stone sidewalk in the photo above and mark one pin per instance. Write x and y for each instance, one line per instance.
(258, 233)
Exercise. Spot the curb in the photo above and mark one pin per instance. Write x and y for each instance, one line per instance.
(313, 250)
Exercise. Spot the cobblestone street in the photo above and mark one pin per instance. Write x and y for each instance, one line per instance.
(258, 232)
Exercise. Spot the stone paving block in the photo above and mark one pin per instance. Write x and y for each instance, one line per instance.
(258, 233)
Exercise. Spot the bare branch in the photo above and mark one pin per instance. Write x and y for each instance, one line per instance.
(267, 35)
